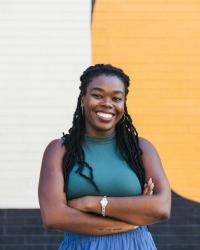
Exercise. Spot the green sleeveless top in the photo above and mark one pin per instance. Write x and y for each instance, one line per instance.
(112, 174)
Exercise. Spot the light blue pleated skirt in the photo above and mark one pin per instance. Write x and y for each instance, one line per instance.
(137, 239)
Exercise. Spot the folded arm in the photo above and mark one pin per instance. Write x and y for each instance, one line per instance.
(137, 210)
(56, 214)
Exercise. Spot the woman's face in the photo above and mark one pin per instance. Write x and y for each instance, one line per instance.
(103, 105)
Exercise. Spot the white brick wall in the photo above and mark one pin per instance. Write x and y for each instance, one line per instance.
(44, 47)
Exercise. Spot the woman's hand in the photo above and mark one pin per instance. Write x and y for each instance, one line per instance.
(148, 187)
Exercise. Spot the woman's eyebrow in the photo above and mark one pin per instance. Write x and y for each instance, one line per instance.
(102, 90)
(96, 88)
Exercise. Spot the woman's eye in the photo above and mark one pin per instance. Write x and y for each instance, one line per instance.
(117, 99)
(97, 96)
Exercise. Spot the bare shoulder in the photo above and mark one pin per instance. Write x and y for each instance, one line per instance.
(56, 144)
(53, 154)
(152, 162)
(146, 146)
(55, 147)
(51, 181)
(154, 168)
(150, 156)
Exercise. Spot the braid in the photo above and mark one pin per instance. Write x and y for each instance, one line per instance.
(128, 143)
(126, 134)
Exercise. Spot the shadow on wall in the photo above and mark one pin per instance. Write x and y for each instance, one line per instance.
(182, 231)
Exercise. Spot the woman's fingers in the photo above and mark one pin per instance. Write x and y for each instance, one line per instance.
(151, 188)
(150, 181)
(148, 187)
(145, 189)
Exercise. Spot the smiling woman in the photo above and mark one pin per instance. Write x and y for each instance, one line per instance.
(103, 104)
(103, 168)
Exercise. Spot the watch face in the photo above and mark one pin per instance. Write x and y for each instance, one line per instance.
(104, 201)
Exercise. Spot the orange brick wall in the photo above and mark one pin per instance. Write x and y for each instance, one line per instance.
(158, 44)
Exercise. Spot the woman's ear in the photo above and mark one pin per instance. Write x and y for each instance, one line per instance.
(82, 101)
(82, 105)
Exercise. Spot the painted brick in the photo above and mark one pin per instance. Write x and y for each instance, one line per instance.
(44, 48)
(28, 247)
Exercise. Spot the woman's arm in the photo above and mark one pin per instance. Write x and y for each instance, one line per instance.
(138, 210)
(53, 204)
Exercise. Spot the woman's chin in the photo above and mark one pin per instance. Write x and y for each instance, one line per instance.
(104, 130)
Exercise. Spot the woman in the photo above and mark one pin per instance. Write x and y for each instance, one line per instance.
(101, 183)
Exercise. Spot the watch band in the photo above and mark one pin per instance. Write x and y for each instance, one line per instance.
(103, 211)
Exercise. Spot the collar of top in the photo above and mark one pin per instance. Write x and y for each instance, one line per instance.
(99, 139)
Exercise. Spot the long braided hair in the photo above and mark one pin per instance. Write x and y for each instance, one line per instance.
(126, 134)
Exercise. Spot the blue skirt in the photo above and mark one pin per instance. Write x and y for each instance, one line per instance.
(136, 239)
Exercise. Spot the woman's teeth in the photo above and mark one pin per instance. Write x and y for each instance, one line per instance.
(105, 116)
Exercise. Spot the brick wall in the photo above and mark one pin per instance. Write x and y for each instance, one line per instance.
(21, 229)
(182, 231)
(156, 43)
(44, 47)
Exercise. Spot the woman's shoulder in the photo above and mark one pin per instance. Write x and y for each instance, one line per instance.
(55, 143)
(146, 146)
(55, 147)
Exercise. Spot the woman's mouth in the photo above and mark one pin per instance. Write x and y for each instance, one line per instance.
(104, 116)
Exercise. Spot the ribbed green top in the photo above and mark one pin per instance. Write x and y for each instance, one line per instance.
(112, 174)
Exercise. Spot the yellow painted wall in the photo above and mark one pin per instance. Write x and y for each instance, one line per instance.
(158, 44)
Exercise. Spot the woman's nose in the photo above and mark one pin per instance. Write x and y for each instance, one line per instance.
(107, 102)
